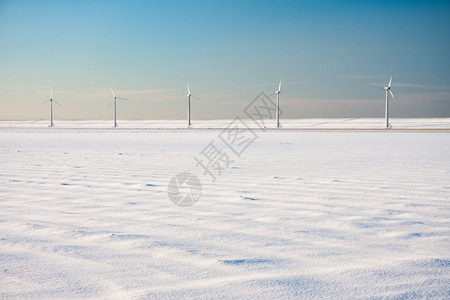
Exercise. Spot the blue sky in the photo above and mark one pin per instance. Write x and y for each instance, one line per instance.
(332, 55)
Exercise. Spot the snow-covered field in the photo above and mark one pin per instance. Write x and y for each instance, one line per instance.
(301, 214)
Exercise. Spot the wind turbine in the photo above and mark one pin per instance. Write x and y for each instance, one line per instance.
(188, 98)
(278, 92)
(51, 107)
(388, 91)
(115, 106)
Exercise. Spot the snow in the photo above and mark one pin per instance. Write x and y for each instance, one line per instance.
(347, 123)
(301, 214)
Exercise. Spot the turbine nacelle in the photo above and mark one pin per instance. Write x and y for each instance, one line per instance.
(278, 91)
(388, 88)
(189, 91)
(189, 95)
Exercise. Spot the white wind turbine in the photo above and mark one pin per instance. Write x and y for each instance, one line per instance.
(188, 98)
(115, 106)
(388, 91)
(278, 92)
(51, 107)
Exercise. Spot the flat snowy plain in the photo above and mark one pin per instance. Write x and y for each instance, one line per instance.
(84, 212)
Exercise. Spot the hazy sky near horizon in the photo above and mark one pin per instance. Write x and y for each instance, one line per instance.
(333, 57)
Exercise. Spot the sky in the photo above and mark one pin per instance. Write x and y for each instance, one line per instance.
(333, 58)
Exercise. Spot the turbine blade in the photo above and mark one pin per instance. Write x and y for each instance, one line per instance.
(196, 98)
(392, 94)
(56, 102)
(121, 98)
(279, 86)
(45, 101)
(112, 92)
(189, 90)
(390, 81)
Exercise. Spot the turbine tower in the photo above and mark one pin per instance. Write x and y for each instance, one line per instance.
(188, 98)
(278, 92)
(51, 107)
(115, 98)
(388, 91)
(189, 107)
